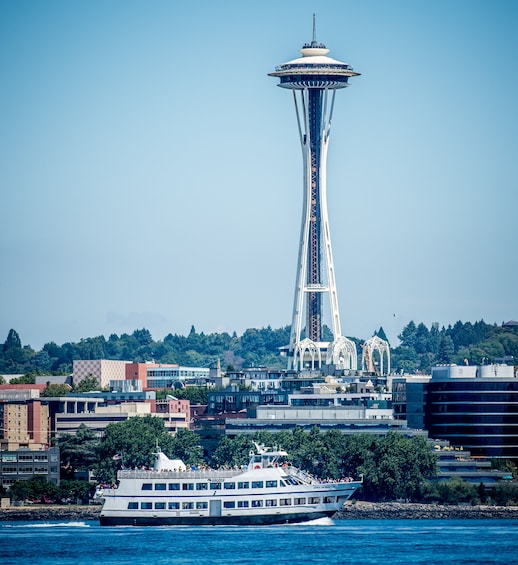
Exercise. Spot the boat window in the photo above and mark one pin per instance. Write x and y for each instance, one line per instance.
(299, 501)
(215, 486)
(174, 486)
(146, 506)
(271, 502)
(188, 486)
(257, 484)
(173, 505)
(229, 504)
(314, 500)
(187, 505)
(159, 486)
(202, 486)
(282, 483)
(257, 503)
(159, 505)
(329, 499)
(285, 502)
(271, 484)
(244, 484)
(201, 506)
(132, 505)
(147, 486)
(242, 504)
(229, 486)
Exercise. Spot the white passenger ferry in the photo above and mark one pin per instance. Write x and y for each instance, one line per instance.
(264, 492)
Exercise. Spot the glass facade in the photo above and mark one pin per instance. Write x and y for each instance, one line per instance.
(480, 414)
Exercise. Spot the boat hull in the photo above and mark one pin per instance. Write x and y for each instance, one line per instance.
(248, 520)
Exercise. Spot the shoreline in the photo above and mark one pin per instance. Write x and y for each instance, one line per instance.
(358, 511)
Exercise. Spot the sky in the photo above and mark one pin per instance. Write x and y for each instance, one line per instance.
(151, 172)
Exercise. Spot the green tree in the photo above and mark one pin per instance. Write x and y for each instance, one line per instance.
(78, 452)
(13, 341)
(87, 384)
(135, 440)
(28, 379)
(54, 390)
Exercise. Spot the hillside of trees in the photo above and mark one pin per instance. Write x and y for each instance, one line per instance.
(419, 348)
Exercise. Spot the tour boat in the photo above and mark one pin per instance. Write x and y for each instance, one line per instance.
(266, 491)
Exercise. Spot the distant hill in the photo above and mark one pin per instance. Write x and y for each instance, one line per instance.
(420, 348)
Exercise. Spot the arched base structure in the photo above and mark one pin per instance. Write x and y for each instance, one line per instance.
(307, 355)
(342, 354)
(372, 345)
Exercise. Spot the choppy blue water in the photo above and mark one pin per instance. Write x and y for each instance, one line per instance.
(323, 541)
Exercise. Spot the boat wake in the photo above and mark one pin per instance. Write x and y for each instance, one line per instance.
(50, 525)
(316, 522)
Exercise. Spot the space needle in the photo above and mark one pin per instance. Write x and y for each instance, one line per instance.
(314, 79)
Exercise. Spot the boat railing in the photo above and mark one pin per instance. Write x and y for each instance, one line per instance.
(208, 474)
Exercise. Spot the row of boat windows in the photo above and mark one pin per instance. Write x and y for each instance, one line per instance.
(230, 503)
(218, 485)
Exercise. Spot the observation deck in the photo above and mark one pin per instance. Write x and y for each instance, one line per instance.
(314, 70)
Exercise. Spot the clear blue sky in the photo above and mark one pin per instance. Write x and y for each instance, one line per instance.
(151, 174)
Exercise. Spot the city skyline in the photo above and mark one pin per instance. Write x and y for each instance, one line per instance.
(151, 177)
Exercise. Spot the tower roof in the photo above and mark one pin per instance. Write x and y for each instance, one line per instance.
(314, 69)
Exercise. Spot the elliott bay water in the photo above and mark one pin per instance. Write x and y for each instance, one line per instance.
(322, 541)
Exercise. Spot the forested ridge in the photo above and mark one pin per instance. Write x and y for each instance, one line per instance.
(419, 348)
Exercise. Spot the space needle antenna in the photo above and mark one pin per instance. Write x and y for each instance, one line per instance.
(314, 29)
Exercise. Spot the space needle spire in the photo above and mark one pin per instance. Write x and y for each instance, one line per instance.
(314, 79)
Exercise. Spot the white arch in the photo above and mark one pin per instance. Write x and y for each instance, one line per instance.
(342, 353)
(306, 350)
(369, 347)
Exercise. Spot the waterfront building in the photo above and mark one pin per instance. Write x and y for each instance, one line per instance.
(346, 419)
(24, 464)
(314, 79)
(475, 407)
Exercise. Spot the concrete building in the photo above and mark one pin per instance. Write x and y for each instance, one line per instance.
(103, 370)
(24, 424)
(157, 375)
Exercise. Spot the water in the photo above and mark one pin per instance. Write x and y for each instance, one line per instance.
(322, 541)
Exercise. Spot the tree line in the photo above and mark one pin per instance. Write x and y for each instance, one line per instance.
(392, 466)
(419, 348)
